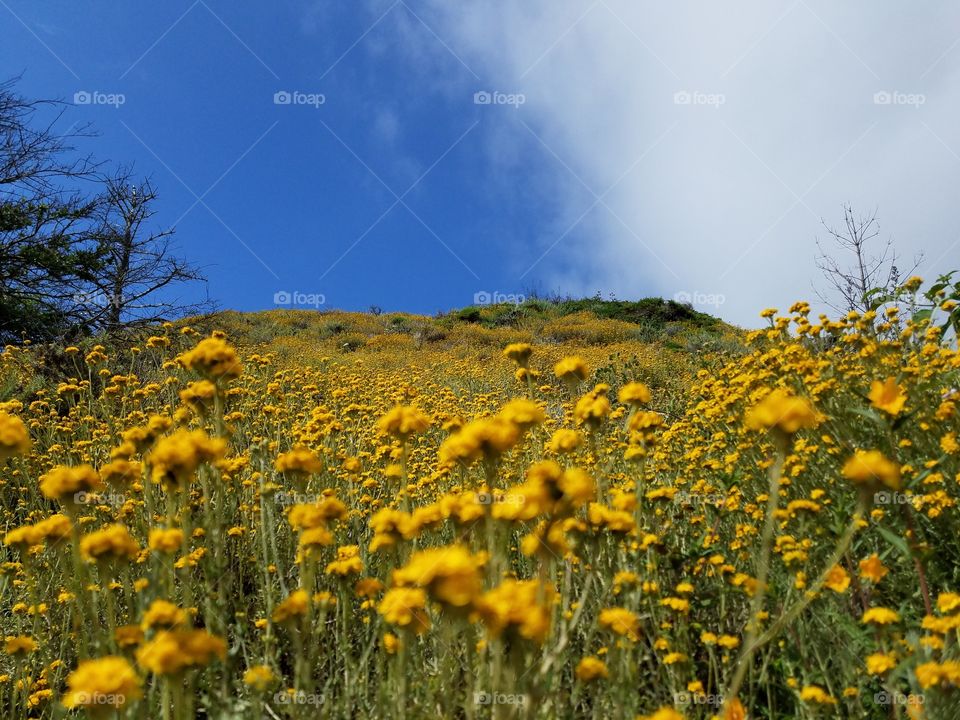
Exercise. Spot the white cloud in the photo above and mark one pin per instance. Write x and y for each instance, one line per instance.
(386, 125)
(782, 128)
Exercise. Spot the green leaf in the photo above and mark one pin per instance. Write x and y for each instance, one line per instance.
(927, 472)
(898, 542)
(868, 413)
(921, 315)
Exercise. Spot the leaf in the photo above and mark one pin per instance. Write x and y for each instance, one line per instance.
(922, 315)
(868, 413)
(898, 542)
(923, 476)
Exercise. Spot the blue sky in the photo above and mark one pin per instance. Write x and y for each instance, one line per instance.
(290, 194)
(633, 150)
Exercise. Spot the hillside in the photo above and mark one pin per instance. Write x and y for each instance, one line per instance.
(587, 321)
(270, 514)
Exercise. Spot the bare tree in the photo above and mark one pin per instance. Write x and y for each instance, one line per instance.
(857, 269)
(35, 156)
(77, 253)
(46, 255)
(142, 274)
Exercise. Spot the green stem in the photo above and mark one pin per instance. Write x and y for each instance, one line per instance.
(759, 595)
(795, 611)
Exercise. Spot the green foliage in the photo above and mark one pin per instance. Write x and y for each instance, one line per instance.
(655, 311)
(45, 258)
(939, 303)
(652, 315)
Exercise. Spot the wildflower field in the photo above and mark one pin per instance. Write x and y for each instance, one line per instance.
(299, 515)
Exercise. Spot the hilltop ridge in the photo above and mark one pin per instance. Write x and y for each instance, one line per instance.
(590, 321)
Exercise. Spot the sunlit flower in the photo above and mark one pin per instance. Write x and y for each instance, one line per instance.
(564, 441)
(571, 369)
(64, 483)
(259, 677)
(593, 407)
(347, 563)
(870, 468)
(634, 393)
(872, 569)
(880, 663)
(298, 464)
(121, 473)
(405, 607)
(163, 614)
(14, 437)
(782, 410)
(451, 575)
(522, 413)
(517, 607)
(165, 540)
(933, 674)
(590, 668)
(176, 458)
(948, 602)
(110, 544)
(294, 606)
(620, 621)
(887, 396)
(487, 438)
(214, 359)
(19, 645)
(817, 695)
(403, 422)
(837, 579)
(103, 683)
(172, 651)
(519, 352)
(880, 616)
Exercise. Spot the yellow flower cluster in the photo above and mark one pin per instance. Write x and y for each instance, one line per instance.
(14, 438)
(113, 543)
(450, 575)
(64, 483)
(175, 458)
(521, 608)
(369, 506)
(214, 359)
(489, 438)
(403, 422)
(104, 683)
(172, 651)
